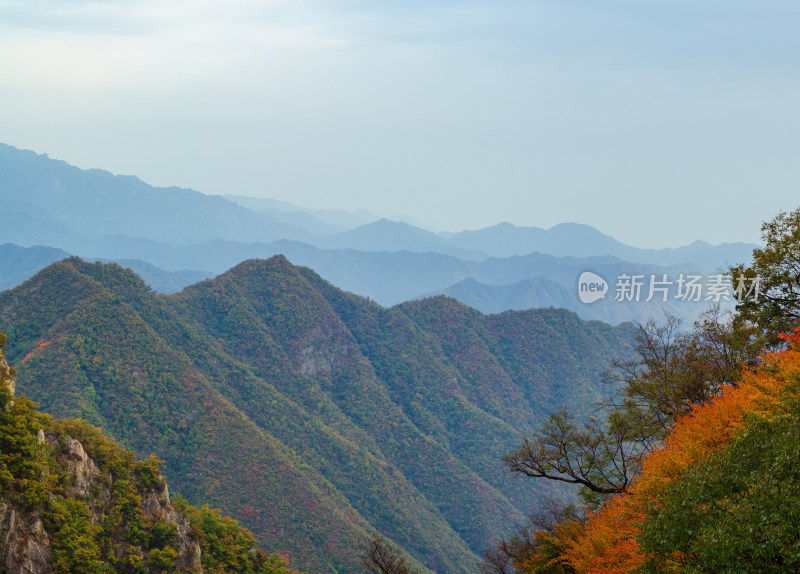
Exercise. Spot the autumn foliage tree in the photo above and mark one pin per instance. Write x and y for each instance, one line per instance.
(538, 546)
(720, 495)
(736, 508)
(711, 443)
(673, 370)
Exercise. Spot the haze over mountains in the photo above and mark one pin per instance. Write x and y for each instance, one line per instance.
(320, 375)
(174, 237)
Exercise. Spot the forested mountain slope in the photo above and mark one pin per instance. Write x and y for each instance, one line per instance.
(314, 416)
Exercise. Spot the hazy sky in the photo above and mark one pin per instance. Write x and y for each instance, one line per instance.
(657, 122)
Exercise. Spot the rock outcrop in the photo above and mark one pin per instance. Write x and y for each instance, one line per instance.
(6, 373)
(156, 505)
(25, 544)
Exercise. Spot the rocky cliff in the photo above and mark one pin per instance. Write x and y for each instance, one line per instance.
(6, 372)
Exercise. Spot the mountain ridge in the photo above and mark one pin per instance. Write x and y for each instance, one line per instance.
(125, 204)
(116, 204)
(341, 418)
(391, 278)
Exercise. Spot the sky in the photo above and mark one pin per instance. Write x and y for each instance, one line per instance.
(657, 122)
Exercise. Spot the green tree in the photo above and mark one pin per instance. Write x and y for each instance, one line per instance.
(774, 306)
(75, 539)
(737, 510)
(672, 370)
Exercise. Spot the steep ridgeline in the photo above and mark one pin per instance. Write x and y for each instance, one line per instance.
(314, 416)
(71, 500)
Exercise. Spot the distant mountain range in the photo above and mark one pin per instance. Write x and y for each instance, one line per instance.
(538, 292)
(327, 221)
(20, 263)
(80, 206)
(577, 240)
(389, 278)
(174, 237)
(502, 240)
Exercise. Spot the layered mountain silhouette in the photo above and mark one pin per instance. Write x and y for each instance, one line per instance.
(54, 203)
(314, 416)
(173, 237)
(78, 206)
(491, 286)
(577, 240)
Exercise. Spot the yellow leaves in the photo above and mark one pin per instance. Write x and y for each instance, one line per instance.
(551, 547)
(608, 544)
(707, 429)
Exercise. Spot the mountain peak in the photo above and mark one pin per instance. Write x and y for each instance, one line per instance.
(276, 263)
(506, 225)
(385, 222)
